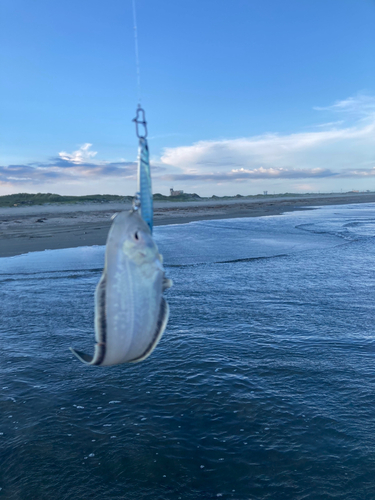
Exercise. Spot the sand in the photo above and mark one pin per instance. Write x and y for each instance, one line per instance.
(26, 229)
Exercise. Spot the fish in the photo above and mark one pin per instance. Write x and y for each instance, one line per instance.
(131, 312)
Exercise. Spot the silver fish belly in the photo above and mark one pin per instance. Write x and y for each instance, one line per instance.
(130, 311)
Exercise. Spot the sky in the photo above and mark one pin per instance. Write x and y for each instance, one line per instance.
(241, 96)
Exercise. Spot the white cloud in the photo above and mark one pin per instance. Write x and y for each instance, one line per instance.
(361, 105)
(334, 151)
(335, 154)
(262, 172)
(330, 124)
(82, 154)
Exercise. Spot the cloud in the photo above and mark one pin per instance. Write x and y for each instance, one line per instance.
(65, 170)
(82, 154)
(330, 124)
(333, 151)
(256, 173)
(361, 105)
(72, 167)
(284, 173)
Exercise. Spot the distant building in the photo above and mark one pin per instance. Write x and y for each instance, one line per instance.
(265, 193)
(176, 193)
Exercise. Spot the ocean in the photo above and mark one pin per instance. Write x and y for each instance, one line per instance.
(262, 387)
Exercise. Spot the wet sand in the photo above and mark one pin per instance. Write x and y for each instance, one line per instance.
(28, 229)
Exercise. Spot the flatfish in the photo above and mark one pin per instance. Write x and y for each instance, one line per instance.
(130, 311)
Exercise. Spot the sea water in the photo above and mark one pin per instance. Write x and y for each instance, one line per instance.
(262, 387)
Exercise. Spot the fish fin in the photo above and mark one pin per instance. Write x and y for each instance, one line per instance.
(100, 311)
(85, 358)
(160, 327)
(167, 283)
(100, 328)
(97, 359)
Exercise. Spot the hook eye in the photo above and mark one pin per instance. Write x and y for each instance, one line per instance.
(140, 119)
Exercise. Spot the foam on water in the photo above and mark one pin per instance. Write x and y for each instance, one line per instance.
(196, 243)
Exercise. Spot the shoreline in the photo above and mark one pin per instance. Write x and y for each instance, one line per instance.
(36, 228)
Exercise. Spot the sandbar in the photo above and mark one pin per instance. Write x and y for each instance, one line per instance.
(26, 229)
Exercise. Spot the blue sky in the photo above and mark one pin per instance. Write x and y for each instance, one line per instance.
(241, 96)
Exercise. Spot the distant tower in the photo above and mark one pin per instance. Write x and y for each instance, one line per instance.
(176, 193)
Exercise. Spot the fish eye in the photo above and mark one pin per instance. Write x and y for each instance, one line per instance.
(136, 236)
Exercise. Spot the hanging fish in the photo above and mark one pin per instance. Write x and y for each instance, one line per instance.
(130, 311)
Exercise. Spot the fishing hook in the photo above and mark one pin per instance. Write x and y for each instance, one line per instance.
(140, 120)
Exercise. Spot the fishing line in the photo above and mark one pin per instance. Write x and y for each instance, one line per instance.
(137, 54)
(143, 200)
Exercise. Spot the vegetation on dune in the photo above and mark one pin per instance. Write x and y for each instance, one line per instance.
(26, 199)
(18, 199)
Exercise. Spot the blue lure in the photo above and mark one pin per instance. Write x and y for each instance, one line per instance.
(144, 183)
(143, 200)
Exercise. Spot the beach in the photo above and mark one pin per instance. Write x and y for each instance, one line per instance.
(26, 229)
